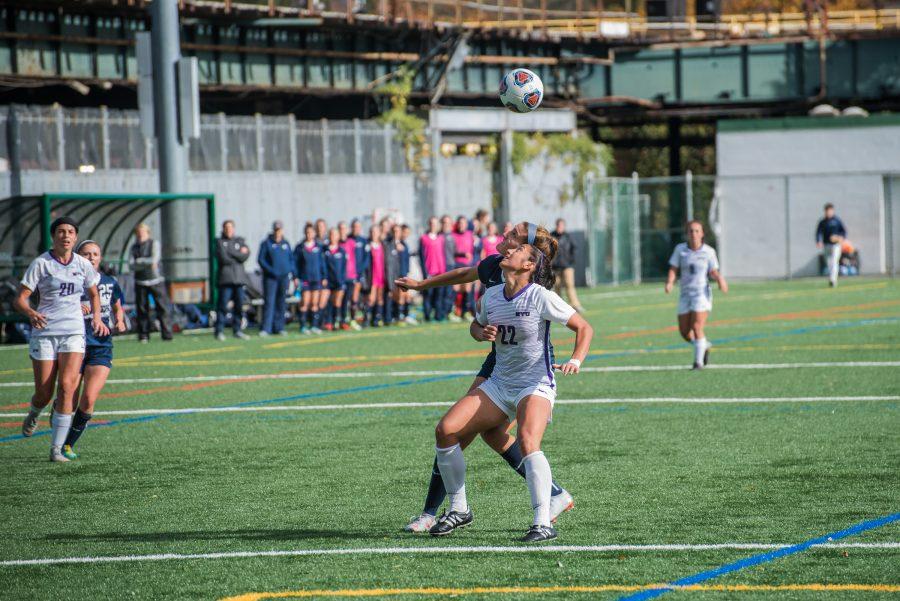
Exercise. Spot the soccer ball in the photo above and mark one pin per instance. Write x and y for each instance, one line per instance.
(521, 91)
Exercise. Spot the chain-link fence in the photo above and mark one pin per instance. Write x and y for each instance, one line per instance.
(761, 226)
(88, 139)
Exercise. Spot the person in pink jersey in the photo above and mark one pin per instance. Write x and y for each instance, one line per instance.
(490, 241)
(465, 257)
(375, 249)
(351, 293)
(431, 254)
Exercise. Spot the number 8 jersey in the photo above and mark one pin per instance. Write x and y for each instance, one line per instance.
(523, 332)
(60, 286)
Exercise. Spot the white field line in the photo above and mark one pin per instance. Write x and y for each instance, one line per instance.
(607, 401)
(411, 374)
(429, 551)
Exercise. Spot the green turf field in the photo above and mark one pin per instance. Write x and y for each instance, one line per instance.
(296, 484)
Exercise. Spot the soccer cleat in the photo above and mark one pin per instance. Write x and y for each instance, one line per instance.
(454, 318)
(411, 320)
(29, 424)
(420, 524)
(450, 521)
(697, 367)
(263, 333)
(560, 504)
(240, 335)
(283, 333)
(328, 327)
(305, 331)
(706, 357)
(68, 452)
(345, 326)
(355, 325)
(315, 330)
(220, 337)
(539, 534)
(56, 455)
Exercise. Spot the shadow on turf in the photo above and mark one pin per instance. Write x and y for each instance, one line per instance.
(250, 534)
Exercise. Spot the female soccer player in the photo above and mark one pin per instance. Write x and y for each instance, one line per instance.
(521, 387)
(57, 338)
(310, 274)
(489, 272)
(361, 266)
(375, 250)
(336, 274)
(98, 350)
(697, 263)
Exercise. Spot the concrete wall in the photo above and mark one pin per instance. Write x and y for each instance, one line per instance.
(774, 180)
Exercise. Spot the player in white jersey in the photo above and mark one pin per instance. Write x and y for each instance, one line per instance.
(57, 337)
(521, 386)
(697, 264)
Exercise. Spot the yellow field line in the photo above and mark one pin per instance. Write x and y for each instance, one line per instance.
(602, 588)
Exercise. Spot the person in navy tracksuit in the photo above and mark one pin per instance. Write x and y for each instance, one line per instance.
(277, 263)
(336, 274)
(362, 256)
(310, 273)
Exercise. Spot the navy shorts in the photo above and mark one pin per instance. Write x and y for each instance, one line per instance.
(336, 287)
(487, 368)
(312, 286)
(97, 355)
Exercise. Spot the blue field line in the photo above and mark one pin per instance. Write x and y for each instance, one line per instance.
(762, 558)
(758, 336)
(296, 397)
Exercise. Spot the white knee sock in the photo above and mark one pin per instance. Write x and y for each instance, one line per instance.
(60, 424)
(453, 472)
(539, 478)
(700, 346)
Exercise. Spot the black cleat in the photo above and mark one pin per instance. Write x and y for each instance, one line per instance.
(450, 521)
(539, 534)
(697, 366)
(706, 358)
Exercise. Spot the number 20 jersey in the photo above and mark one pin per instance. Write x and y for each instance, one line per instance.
(523, 332)
(60, 286)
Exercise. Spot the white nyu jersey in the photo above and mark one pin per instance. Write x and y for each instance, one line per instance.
(60, 286)
(523, 332)
(694, 266)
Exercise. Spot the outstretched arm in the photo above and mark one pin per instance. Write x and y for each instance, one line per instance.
(462, 275)
(583, 335)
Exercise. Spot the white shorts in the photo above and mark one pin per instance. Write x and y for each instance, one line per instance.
(697, 303)
(507, 398)
(46, 348)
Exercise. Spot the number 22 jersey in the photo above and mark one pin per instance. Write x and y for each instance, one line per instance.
(60, 286)
(524, 355)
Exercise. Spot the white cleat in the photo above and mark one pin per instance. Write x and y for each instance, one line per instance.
(421, 524)
(29, 424)
(411, 320)
(560, 504)
(56, 455)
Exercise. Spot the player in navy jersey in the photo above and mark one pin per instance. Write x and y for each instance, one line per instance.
(336, 273)
(522, 386)
(57, 341)
(98, 349)
(361, 264)
(310, 270)
(489, 272)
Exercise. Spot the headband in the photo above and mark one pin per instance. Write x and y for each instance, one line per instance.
(84, 243)
(532, 232)
(63, 221)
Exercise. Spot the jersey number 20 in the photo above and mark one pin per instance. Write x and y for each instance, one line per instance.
(507, 335)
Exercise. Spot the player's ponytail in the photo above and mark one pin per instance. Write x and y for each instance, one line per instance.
(545, 243)
(543, 271)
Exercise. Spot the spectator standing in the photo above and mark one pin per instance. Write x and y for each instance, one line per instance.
(146, 254)
(277, 263)
(830, 233)
(464, 240)
(231, 252)
(564, 264)
(490, 241)
(310, 274)
(431, 254)
(449, 292)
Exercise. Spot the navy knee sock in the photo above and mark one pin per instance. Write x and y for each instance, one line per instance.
(436, 491)
(79, 423)
(303, 318)
(513, 456)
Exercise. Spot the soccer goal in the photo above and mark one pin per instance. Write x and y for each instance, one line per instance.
(183, 223)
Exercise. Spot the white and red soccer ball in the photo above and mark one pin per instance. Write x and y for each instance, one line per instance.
(521, 91)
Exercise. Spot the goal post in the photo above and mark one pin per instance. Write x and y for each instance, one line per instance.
(189, 264)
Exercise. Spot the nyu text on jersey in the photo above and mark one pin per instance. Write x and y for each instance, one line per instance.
(523, 333)
(60, 286)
